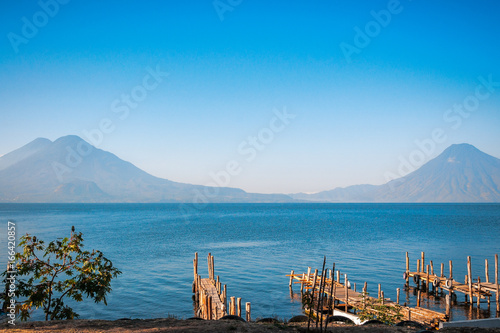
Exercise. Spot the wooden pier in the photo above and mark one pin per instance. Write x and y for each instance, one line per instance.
(334, 297)
(429, 281)
(211, 297)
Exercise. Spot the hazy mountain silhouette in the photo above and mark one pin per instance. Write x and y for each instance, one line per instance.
(71, 170)
(462, 173)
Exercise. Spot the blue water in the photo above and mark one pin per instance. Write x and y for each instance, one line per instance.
(256, 245)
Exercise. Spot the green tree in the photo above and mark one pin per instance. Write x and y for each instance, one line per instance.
(47, 274)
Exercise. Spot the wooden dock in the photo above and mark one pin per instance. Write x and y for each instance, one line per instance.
(340, 298)
(426, 279)
(211, 297)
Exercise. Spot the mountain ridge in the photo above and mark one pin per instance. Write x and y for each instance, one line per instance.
(69, 169)
(461, 173)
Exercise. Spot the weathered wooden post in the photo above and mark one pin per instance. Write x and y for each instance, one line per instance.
(238, 301)
(379, 290)
(427, 284)
(469, 277)
(448, 300)
(224, 297)
(397, 295)
(233, 305)
(205, 302)
(213, 269)
(418, 299)
(442, 270)
(486, 271)
(210, 313)
(195, 265)
(346, 293)
(407, 270)
(382, 297)
(248, 312)
(291, 278)
(422, 262)
(478, 292)
(497, 294)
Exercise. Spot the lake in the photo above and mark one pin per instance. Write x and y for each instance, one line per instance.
(256, 245)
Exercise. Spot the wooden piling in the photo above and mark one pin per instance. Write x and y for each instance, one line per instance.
(418, 299)
(213, 268)
(382, 297)
(478, 292)
(448, 305)
(248, 312)
(379, 290)
(497, 294)
(209, 265)
(233, 305)
(209, 306)
(397, 295)
(442, 270)
(308, 273)
(427, 283)
(432, 267)
(423, 261)
(238, 301)
(418, 265)
(407, 269)
(291, 278)
(195, 268)
(486, 271)
(224, 296)
(469, 277)
(346, 293)
(451, 270)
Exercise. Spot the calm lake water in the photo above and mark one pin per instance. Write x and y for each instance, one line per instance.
(256, 245)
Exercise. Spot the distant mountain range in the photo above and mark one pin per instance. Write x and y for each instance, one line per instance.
(71, 170)
(462, 173)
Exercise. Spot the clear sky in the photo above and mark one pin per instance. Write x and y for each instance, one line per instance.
(360, 80)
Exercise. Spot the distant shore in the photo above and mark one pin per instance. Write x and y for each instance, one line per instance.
(176, 325)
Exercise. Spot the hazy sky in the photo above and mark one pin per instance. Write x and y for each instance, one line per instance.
(305, 95)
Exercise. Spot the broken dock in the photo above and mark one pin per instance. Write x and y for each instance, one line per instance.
(210, 296)
(332, 297)
(428, 281)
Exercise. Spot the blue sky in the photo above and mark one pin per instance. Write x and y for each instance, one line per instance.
(356, 118)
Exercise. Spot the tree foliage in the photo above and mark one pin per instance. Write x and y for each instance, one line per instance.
(377, 309)
(49, 273)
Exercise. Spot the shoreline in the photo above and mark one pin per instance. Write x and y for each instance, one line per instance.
(189, 325)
